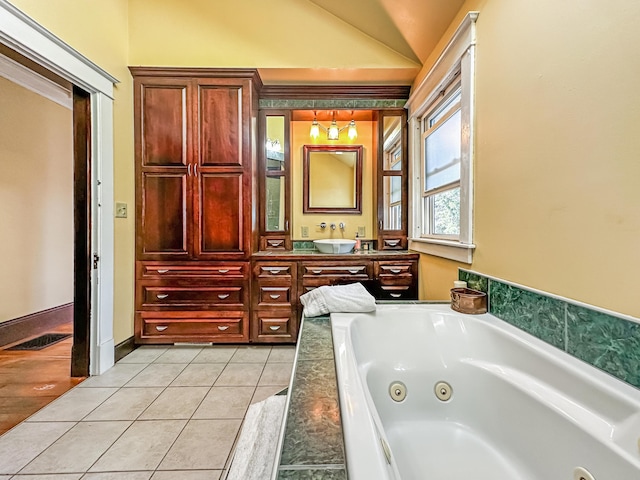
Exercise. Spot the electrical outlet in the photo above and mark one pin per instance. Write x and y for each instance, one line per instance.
(304, 232)
(361, 231)
(121, 210)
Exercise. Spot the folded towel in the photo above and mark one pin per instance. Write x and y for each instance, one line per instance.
(340, 298)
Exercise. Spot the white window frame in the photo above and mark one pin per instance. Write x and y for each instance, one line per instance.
(455, 65)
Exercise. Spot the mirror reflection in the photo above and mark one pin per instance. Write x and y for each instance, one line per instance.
(275, 172)
(332, 179)
(392, 175)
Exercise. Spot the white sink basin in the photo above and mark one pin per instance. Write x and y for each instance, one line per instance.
(334, 245)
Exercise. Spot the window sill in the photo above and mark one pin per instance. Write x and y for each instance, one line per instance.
(460, 252)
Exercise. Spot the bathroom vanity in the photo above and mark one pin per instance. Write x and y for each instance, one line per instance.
(226, 169)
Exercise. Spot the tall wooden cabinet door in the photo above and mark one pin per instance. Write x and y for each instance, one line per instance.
(224, 126)
(163, 185)
(220, 223)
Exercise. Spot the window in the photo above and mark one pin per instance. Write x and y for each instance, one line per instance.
(440, 163)
(441, 111)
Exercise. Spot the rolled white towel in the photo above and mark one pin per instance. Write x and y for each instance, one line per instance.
(339, 298)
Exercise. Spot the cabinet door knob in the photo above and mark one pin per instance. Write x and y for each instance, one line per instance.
(222, 296)
(161, 328)
(163, 271)
(274, 327)
(223, 270)
(222, 328)
(162, 295)
(275, 297)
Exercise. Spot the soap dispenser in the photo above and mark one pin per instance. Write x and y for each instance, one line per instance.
(357, 246)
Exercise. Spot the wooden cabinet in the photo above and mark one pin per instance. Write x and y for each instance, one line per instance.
(274, 312)
(195, 231)
(279, 281)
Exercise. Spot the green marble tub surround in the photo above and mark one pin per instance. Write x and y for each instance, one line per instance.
(607, 342)
(604, 340)
(312, 443)
(543, 317)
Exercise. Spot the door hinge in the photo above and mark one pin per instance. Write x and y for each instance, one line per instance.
(96, 259)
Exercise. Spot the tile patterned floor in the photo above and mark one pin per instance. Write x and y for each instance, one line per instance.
(160, 413)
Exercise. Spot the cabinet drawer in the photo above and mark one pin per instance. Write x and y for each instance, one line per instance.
(403, 292)
(270, 295)
(228, 270)
(186, 326)
(395, 273)
(393, 243)
(270, 270)
(274, 326)
(360, 271)
(200, 296)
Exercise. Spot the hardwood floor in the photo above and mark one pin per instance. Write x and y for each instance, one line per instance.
(30, 379)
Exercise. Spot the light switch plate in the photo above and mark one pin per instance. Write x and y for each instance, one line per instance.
(361, 231)
(121, 210)
(304, 232)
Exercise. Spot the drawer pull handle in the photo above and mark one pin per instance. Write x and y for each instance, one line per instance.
(222, 328)
(275, 271)
(161, 328)
(275, 297)
(222, 296)
(162, 296)
(396, 295)
(392, 243)
(275, 243)
(354, 270)
(163, 270)
(274, 327)
(317, 271)
(223, 270)
(395, 270)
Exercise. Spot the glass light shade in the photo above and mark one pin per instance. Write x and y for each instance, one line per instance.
(314, 133)
(333, 133)
(352, 132)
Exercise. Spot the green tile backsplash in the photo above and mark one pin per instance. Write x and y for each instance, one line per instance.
(605, 341)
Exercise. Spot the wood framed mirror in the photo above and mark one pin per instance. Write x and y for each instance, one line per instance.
(332, 179)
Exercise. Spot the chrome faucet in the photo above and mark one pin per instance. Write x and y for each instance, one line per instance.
(333, 226)
(323, 225)
(341, 225)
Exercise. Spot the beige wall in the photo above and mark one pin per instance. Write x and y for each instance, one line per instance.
(36, 203)
(299, 138)
(557, 203)
(99, 30)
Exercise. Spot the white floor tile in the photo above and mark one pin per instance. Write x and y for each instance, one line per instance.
(187, 452)
(142, 447)
(120, 476)
(251, 355)
(276, 374)
(240, 375)
(157, 375)
(225, 402)
(188, 475)
(26, 441)
(73, 405)
(262, 393)
(52, 476)
(198, 375)
(78, 449)
(175, 403)
(178, 355)
(144, 354)
(282, 354)
(215, 354)
(125, 404)
(116, 376)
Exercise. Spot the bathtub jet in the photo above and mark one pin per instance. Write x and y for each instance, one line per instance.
(521, 410)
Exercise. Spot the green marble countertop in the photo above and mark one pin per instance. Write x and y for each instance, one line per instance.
(312, 445)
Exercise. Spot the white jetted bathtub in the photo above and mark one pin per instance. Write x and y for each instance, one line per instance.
(518, 409)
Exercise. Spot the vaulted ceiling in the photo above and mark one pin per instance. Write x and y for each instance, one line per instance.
(410, 28)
